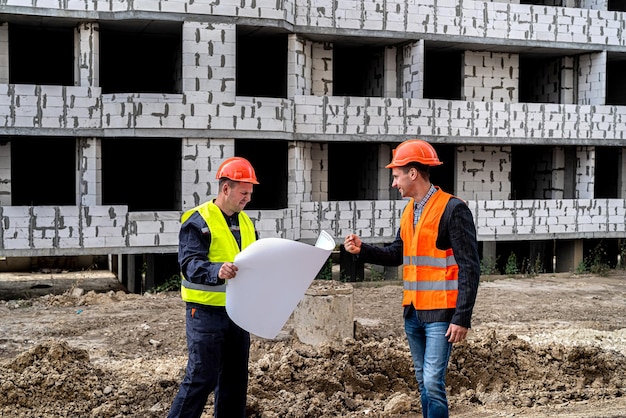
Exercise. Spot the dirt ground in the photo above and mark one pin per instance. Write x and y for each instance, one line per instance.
(547, 346)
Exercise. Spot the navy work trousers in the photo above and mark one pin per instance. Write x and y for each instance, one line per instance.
(218, 362)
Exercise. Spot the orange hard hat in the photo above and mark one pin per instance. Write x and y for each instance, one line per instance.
(237, 169)
(414, 150)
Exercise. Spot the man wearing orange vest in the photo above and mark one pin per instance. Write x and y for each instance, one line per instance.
(436, 244)
(210, 236)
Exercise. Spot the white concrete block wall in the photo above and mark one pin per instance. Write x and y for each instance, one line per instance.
(592, 78)
(87, 54)
(89, 173)
(280, 223)
(319, 171)
(5, 173)
(299, 168)
(369, 219)
(298, 66)
(209, 58)
(4, 53)
(490, 76)
(150, 229)
(322, 69)
(413, 70)
(593, 4)
(201, 157)
(493, 20)
(483, 172)
(35, 106)
(585, 169)
(507, 220)
(621, 173)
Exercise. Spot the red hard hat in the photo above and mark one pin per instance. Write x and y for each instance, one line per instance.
(414, 150)
(237, 169)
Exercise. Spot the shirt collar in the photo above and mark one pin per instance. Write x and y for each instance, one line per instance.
(420, 205)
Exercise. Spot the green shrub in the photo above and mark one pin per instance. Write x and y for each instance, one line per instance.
(488, 265)
(173, 283)
(511, 265)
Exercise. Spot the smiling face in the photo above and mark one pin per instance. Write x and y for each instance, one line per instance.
(404, 180)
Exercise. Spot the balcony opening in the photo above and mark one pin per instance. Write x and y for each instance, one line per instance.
(617, 6)
(443, 175)
(443, 74)
(269, 159)
(358, 70)
(354, 167)
(141, 173)
(42, 55)
(531, 172)
(543, 79)
(615, 80)
(261, 62)
(607, 167)
(140, 57)
(43, 171)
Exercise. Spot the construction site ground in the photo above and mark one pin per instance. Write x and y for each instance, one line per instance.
(543, 346)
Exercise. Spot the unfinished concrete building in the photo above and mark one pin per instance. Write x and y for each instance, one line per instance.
(115, 115)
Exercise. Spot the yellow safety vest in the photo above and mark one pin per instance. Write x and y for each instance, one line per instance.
(223, 248)
(430, 275)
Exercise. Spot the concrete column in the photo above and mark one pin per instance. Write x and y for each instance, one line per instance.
(209, 56)
(390, 72)
(325, 314)
(413, 70)
(322, 69)
(621, 175)
(592, 78)
(585, 167)
(201, 158)
(319, 172)
(489, 252)
(298, 66)
(89, 176)
(299, 172)
(5, 173)
(87, 55)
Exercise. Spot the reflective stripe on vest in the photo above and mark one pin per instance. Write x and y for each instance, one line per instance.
(430, 278)
(429, 261)
(223, 248)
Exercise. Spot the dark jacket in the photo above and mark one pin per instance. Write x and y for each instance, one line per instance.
(456, 231)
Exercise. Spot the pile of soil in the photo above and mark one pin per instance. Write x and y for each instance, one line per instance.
(114, 354)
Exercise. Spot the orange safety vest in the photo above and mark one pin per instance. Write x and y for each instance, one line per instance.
(430, 274)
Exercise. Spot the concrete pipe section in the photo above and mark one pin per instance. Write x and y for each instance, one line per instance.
(325, 314)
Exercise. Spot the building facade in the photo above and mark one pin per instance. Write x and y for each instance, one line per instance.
(116, 114)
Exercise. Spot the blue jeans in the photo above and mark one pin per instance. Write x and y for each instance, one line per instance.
(218, 361)
(430, 351)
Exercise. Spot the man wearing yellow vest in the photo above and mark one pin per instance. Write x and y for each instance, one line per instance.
(436, 244)
(210, 236)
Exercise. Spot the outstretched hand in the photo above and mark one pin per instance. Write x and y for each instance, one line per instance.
(352, 244)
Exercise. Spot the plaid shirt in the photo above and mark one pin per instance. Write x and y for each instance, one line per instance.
(419, 206)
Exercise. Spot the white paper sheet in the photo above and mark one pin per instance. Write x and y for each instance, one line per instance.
(273, 276)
